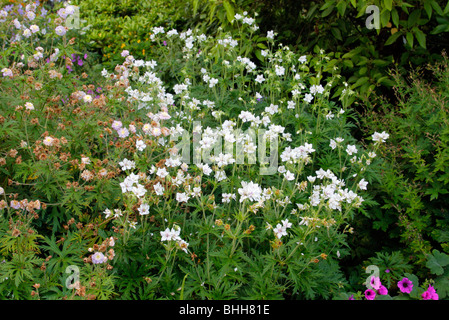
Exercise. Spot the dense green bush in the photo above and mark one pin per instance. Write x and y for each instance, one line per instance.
(108, 27)
(414, 185)
(410, 33)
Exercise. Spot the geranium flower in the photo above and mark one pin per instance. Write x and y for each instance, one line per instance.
(430, 294)
(370, 294)
(382, 290)
(405, 285)
(98, 258)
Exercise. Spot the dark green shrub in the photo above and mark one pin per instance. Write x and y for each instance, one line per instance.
(414, 187)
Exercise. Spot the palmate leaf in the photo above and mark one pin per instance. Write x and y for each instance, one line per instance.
(437, 261)
(20, 268)
(69, 253)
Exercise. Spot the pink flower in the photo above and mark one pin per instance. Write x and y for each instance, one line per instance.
(375, 282)
(370, 294)
(382, 290)
(430, 294)
(123, 132)
(405, 285)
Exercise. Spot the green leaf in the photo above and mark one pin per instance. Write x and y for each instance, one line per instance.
(388, 4)
(360, 82)
(336, 33)
(437, 7)
(341, 8)
(409, 38)
(436, 261)
(392, 39)
(395, 17)
(384, 17)
(413, 18)
(229, 10)
(421, 37)
(428, 8)
(328, 10)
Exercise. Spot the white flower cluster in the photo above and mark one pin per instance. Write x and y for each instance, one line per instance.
(301, 153)
(131, 184)
(173, 235)
(332, 192)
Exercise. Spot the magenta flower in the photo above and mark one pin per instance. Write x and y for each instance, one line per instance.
(405, 285)
(430, 294)
(370, 294)
(382, 290)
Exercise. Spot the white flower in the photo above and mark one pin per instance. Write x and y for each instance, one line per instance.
(270, 34)
(30, 15)
(127, 164)
(48, 141)
(60, 30)
(286, 224)
(308, 97)
(316, 89)
(107, 213)
(380, 137)
(289, 176)
(144, 209)
(182, 197)
(362, 184)
(123, 132)
(27, 33)
(279, 70)
(220, 175)
(250, 191)
(166, 235)
(260, 78)
(87, 98)
(162, 173)
(351, 149)
(205, 168)
(302, 59)
(98, 258)
(272, 109)
(139, 190)
(140, 145)
(159, 189)
(7, 72)
(227, 197)
(34, 28)
(280, 231)
(29, 106)
(212, 82)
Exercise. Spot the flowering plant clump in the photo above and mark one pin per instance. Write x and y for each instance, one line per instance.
(199, 173)
(404, 286)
